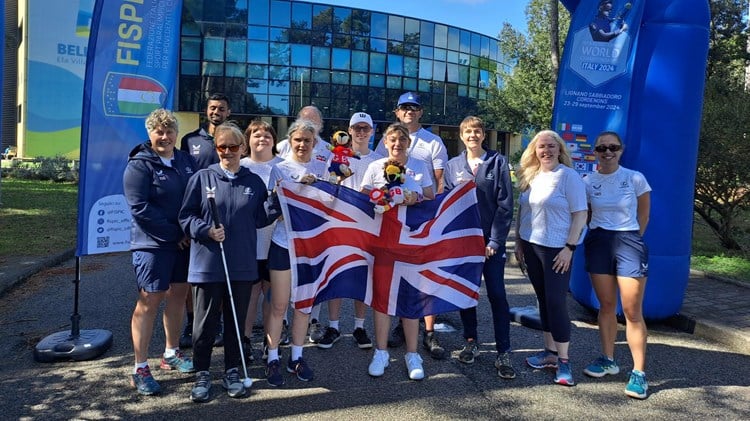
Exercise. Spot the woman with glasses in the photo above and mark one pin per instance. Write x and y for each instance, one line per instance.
(154, 183)
(551, 217)
(300, 166)
(239, 196)
(617, 257)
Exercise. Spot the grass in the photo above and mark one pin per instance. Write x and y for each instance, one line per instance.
(37, 217)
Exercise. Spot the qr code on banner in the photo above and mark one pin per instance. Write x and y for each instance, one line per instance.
(102, 242)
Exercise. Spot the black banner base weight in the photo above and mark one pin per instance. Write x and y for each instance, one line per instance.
(526, 316)
(87, 345)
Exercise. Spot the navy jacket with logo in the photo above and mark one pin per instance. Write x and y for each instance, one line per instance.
(200, 145)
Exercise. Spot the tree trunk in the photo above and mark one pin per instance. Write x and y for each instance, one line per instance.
(554, 36)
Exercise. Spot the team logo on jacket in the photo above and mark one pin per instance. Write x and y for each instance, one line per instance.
(160, 175)
(248, 192)
(188, 170)
(490, 176)
(196, 149)
(131, 96)
(210, 192)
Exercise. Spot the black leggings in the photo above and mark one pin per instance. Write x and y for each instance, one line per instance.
(551, 289)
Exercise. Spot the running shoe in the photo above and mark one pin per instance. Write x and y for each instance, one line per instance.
(315, 331)
(273, 373)
(380, 360)
(504, 366)
(177, 362)
(564, 376)
(431, 343)
(601, 367)
(637, 385)
(469, 352)
(363, 341)
(232, 383)
(414, 366)
(542, 359)
(300, 368)
(144, 382)
(330, 337)
(202, 388)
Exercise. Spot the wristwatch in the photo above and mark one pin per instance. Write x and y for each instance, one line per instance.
(571, 247)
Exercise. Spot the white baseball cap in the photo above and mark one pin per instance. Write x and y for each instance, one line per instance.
(360, 118)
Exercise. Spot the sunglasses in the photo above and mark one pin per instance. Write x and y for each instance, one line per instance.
(604, 148)
(361, 128)
(232, 148)
(410, 108)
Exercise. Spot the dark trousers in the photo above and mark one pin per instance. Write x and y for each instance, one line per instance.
(207, 308)
(551, 289)
(494, 281)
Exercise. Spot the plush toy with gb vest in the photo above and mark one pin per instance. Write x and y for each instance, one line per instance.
(341, 151)
(392, 194)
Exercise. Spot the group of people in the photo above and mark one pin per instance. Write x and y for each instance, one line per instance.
(206, 220)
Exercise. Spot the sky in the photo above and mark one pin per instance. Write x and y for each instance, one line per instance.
(483, 16)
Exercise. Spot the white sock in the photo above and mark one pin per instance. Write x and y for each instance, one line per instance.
(170, 352)
(296, 352)
(359, 323)
(333, 324)
(140, 365)
(273, 354)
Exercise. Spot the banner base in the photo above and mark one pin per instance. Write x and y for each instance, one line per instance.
(87, 345)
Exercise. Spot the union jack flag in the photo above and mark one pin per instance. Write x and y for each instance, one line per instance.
(411, 261)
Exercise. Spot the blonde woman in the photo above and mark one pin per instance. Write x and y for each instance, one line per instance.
(551, 216)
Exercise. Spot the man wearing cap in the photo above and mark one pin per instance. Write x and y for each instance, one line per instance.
(360, 130)
(429, 148)
(320, 150)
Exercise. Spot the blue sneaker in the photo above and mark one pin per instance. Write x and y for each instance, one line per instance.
(601, 367)
(300, 368)
(542, 359)
(144, 382)
(177, 362)
(637, 386)
(563, 375)
(273, 374)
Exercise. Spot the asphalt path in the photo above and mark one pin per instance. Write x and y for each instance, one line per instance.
(689, 378)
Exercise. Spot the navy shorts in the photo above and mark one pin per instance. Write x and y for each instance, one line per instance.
(278, 258)
(263, 272)
(619, 253)
(155, 269)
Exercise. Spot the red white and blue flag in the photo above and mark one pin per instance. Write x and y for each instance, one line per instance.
(411, 261)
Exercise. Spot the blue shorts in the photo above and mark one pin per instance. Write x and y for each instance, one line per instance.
(263, 272)
(619, 253)
(278, 258)
(155, 269)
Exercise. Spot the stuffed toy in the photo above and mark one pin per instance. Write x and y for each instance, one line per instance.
(341, 150)
(391, 194)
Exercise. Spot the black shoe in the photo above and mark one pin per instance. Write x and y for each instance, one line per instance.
(397, 337)
(330, 337)
(431, 343)
(186, 338)
(363, 341)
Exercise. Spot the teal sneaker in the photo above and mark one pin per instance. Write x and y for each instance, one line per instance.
(637, 386)
(177, 362)
(542, 359)
(564, 375)
(601, 367)
(144, 382)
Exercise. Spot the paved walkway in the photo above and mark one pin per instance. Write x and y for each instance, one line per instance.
(715, 309)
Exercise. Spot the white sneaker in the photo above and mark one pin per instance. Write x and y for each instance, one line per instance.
(414, 365)
(380, 360)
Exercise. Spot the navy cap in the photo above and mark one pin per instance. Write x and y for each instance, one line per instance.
(408, 98)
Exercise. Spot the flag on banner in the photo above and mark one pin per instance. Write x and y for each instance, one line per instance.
(411, 261)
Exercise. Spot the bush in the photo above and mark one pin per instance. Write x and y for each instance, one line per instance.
(56, 168)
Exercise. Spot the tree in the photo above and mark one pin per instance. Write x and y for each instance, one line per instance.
(524, 100)
(722, 185)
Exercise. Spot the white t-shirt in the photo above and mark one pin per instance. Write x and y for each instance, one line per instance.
(320, 150)
(417, 175)
(262, 170)
(425, 146)
(358, 167)
(551, 199)
(290, 170)
(614, 199)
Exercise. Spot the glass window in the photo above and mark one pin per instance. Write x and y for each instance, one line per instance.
(425, 69)
(473, 92)
(237, 50)
(494, 50)
(360, 60)
(321, 76)
(190, 28)
(301, 55)
(257, 52)
(377, 63)
(341, 59)
(437, 88)
(321, 57)
(453, 73)
(213, 69)
(411, 31)
(213, 49)
(211, 29)
(377, 81)
(440, 54)
(322, 18)
(278, 73)
(485, 47)
(452, 57)
(190, 68)
(426, 52)
(484, 79)
(257, 32)
(379, 26)
(476, 47)
(427, 34)
(411, 67)
(301, 15)
(393, 82)
(261, 102)
(441, 36)
(279, 35)
(410, 84)
(395, 47)
(320, 89)
(258, 12)
(342, 41)
(257, 72)
(473, 77)
(463, 75)
(453, 38)
(236, 12)
(464, 59)
(279, 104)
(190, 48)
(341, 78)
(465, 41)
(361, 22)
(463, 90)
(377, 44)
(236, 69)
(236, 31)
(424, 86)
(359, 79)
(280, 13)
(279, 53)
(438, 72)
(278, 87)
(395, 64)
(342, 20)
(395, 28)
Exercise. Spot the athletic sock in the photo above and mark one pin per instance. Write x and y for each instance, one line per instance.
(296, 352)
(140, 365)
(333, 324)
(170, 352)
(273, 354)
(359, 323)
